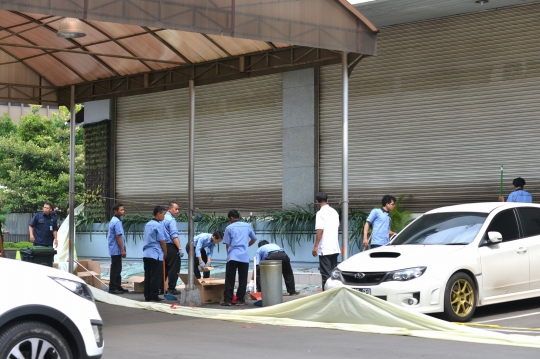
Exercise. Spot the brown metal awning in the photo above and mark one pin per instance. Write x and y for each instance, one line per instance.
(142, 46)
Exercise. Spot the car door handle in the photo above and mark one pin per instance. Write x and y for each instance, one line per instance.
(522, 250)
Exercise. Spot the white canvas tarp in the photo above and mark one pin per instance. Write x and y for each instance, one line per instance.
(339, 308)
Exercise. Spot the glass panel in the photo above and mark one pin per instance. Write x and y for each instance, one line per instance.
(442, 228)
(505, 223)
(530, 221)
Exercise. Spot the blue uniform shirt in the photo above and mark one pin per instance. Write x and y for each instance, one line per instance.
(520, 196)
(203, 241)
(153, 234)
(263, 251)
(170, 227)
(380, 221)
(115, 229)
(44, 226)
(237, 236)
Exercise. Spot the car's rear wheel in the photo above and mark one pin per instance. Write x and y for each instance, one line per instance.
(33, 340)
(459, 298)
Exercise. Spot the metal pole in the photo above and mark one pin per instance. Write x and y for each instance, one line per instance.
(191, 209)
(71, 205)
(345, 164)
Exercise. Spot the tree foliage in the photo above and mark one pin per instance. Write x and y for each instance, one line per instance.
(34, 165)
(7, 126)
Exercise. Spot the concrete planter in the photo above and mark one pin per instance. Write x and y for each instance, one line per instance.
(10, 253)
(94, 244)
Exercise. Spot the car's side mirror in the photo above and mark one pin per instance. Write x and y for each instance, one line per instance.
(494, 237)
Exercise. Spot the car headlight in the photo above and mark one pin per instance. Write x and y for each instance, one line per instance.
(336, 274)
(405, 274)
(78, 288)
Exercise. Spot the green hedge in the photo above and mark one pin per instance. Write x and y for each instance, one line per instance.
(17, 245)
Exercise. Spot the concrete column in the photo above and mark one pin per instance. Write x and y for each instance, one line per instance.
(300, 137)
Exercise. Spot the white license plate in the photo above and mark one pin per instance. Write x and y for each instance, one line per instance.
(364, 290)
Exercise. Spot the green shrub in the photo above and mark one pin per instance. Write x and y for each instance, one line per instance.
(17, 245)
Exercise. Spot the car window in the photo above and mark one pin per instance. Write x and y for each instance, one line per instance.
(447, 228)
(505, 223)
(530, 221)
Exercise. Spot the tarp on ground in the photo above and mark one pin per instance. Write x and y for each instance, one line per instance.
(339, 308)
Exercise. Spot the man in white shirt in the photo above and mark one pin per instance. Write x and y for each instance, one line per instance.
(326, 243)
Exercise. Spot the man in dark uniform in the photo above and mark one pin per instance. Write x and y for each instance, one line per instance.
(44, 227)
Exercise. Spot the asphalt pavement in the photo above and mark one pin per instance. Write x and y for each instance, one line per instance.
(518, 317)
(136, 333)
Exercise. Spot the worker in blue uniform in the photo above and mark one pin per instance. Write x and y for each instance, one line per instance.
(238, 237)
(519, 194)
(271, 252)
(204, 245)
(154, 250)
(117, 249)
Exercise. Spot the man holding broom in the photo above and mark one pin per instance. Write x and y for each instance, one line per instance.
(519, 195)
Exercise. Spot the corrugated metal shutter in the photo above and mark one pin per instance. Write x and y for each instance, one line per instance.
(436, 114)
(238, 152)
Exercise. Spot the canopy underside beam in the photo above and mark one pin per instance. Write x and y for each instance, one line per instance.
(206, 73)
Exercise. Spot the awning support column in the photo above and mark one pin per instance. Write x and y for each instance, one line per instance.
(191, 212)
(71, 200)
(192, 296)
(345, 163)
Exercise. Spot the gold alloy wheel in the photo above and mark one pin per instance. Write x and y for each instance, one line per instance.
(462, 297)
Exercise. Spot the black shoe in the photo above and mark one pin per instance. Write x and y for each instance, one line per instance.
(294, 293)
(157, 300)
(226, 304)
(173, 292)
(240, 303)
(160, 292)
(116, 291)
(125, 290)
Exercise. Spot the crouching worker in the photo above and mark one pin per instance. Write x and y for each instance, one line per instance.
(203, 245)
(271, 251)
(154, 250)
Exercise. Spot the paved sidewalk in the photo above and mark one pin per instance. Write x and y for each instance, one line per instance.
(249, 302)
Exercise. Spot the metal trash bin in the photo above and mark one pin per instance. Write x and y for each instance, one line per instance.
(38, 255)
(272, 289)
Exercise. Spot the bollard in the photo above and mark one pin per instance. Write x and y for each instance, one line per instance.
(272, 291)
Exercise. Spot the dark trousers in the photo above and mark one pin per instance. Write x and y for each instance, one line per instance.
(326, 266)
(172, 263)
(115, 281)
(286, 270)
(374, 246)
(230, 274)
(153, 272)
(195, 263)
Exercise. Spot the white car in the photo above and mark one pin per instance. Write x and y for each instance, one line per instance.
(46, 313)
(453, 259)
